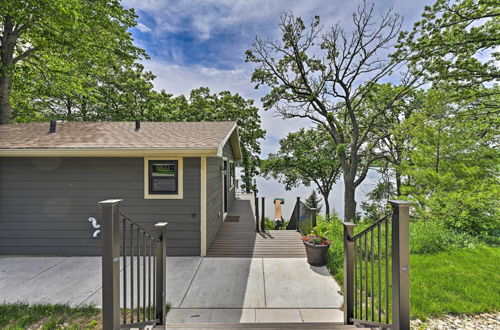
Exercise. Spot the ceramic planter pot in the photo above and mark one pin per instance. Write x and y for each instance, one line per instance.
(316, 254)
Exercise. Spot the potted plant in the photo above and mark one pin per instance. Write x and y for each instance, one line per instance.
(316, 249)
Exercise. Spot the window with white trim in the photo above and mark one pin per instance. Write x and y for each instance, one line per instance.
(232, 174)
(163, 178)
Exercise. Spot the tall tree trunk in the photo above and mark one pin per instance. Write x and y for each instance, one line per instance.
(398, 183)
(7, 46)
(349, 199)
(5, 106)
(327, 206)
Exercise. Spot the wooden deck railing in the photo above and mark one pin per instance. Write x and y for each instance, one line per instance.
(144, 282)
(368, 283)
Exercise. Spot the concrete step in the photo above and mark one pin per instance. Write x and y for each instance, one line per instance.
(260, 326)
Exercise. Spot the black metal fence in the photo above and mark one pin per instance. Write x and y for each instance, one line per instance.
(303, 218)
(376, 271)
(140, 256)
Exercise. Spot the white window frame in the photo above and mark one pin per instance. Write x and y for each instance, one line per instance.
(232, 176)
(180, 179)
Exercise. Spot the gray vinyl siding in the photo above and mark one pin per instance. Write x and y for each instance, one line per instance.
(227, 151)
(45, 204)
(214, 197)
(214, 193)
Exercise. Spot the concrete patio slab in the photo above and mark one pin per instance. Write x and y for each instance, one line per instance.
(234, 315)
(293, 283)
(227, 283)
(180, 274)
(69, 282)
(277, 316)
(14, 271)
(189, 315)
(322, 315)
(216, 290)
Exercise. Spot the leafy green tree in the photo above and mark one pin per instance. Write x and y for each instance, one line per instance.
(455, 44)
(205, 106)
(305, 157)
(325, 77)
(453, 164)
(313, 201)
(62, 46)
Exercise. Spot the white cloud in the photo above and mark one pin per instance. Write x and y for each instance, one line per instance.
(143, 28)
(250, 18)
(177, 80)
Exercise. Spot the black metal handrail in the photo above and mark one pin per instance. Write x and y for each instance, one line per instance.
(369, 228)
(144, 252)
(146, 240)
(129, 219)
(369, 280)
(370, 296)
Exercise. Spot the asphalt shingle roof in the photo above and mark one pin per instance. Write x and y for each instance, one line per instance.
(119, 135)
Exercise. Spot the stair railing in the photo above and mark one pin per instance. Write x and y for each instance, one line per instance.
(303, 218)
(368, 282)
(142, 256)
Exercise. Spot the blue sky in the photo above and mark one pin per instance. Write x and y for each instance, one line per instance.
(202, 43)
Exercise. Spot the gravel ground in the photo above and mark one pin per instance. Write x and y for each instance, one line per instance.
(485, 321)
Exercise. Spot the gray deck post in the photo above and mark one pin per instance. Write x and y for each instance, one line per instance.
(110, 229)
(314, 213)
(263, 216)
(257, 227)
(161, 274)
(400, 265)
(348, 272)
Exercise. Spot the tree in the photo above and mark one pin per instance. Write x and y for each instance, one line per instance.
(64, 44)
(204, 106)
(305, 157)
(313, 201)
(455, 45)
(453, 164)
(328, 84)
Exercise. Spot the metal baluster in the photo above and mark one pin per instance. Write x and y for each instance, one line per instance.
(355, 281)
(373, 281)
(132, 250)
(387, 271)
(361, 277)
(379, 276)
(154, 285)
(366, 275)
(124, 272)
(138, 276)
(149, 277)
(144, 276)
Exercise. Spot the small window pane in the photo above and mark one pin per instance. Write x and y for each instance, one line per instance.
(166, 185)
(163, 169)
(163, 177)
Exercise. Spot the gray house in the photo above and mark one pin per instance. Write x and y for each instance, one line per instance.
(53, 174)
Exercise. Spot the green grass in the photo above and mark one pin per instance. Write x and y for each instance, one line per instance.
(456, 281)
(465, 281)
(23, 316)
(45, 317)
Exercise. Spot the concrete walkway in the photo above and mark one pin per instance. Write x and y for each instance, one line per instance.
(199, 289)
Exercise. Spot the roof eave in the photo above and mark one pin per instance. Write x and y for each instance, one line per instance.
(234, 137)
(109, 152)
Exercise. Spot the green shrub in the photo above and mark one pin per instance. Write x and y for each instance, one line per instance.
(334, 231)
(475, 211)
(433, 236)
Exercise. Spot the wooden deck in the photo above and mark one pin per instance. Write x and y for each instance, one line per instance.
(239, 239)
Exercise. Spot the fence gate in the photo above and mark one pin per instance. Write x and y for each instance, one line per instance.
(136, 297)
(376, 271)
